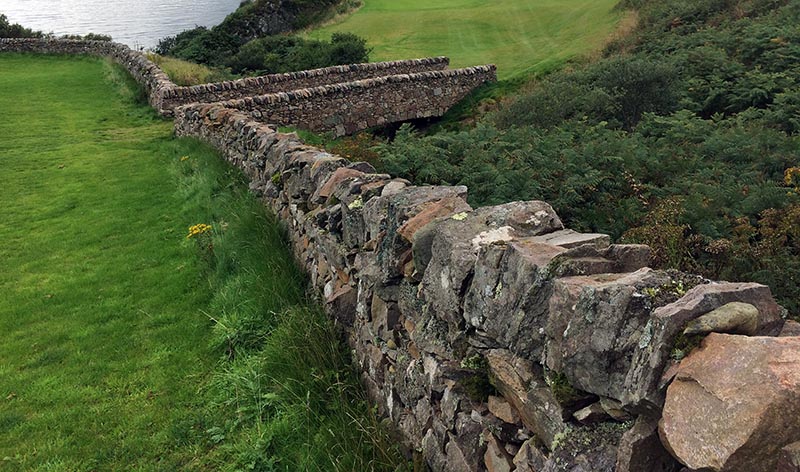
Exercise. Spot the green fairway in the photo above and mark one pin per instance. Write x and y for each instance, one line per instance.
(519, 36)
(103, 341)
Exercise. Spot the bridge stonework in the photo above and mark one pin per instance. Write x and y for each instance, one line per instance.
(494, 338)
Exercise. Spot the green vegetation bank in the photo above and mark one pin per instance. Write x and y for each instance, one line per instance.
(253, 39)
(684, 135)
(519, 36)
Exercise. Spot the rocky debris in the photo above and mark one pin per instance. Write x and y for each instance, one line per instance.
(529, 458)
(593, 413)
(502, 409)
(614, 409)
(732, 318)
(640, 449)
(734, 403)
(522, 383)
(586, 449)
(789, 458)
(496, 458)
(466, 448)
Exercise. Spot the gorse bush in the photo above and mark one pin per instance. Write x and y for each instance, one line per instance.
(276, 54)
(679, 137)
(618, 91)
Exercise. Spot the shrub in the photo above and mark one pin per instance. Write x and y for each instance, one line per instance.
(277, 54)
(8, 30)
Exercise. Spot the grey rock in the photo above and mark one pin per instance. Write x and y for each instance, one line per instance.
(790, 328)
(586, 449)
(596, 324)
(640, 449)
(789, 458)
(568, 238)
(522, 384)
(529, 458)
(503, 409)
(644, 387)
(496, 458)
(593, 413)
(455, 249)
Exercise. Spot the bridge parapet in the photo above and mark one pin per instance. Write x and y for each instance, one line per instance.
(345, 108)
(273, 83)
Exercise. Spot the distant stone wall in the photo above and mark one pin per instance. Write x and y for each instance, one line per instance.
(497, 340)
(149, 75)
(251, 86)
(349, 107)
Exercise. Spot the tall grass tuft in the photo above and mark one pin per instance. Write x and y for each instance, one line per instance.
(286, 396)
(188, 73)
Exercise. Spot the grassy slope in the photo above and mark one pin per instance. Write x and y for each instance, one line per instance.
(519, 36)
(103, 345)
(105, 360)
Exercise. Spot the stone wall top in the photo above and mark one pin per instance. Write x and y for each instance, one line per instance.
(338, 71)
(253, 86)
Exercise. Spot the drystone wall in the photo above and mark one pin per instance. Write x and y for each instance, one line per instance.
(149, 75)
(345, 108)
(252, 86)
(495, 339)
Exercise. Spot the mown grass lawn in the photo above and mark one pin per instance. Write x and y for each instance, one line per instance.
(103, 344)
(519, 36)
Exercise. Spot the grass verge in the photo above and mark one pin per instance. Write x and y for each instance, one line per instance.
(103, 344)
(286, 397)
(188, 73)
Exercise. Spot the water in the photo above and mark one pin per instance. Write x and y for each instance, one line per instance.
(137, 23)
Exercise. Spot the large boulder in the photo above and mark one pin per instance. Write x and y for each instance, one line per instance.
(385, 217)
(640, 449)
(596, 323)
(446, 251)
(507, 301)
(789, 460)
(734, 403)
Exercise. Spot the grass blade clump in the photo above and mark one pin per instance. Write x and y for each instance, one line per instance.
(286, 396)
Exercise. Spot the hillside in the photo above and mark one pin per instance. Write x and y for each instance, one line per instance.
(518, 36)
(684, 136)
